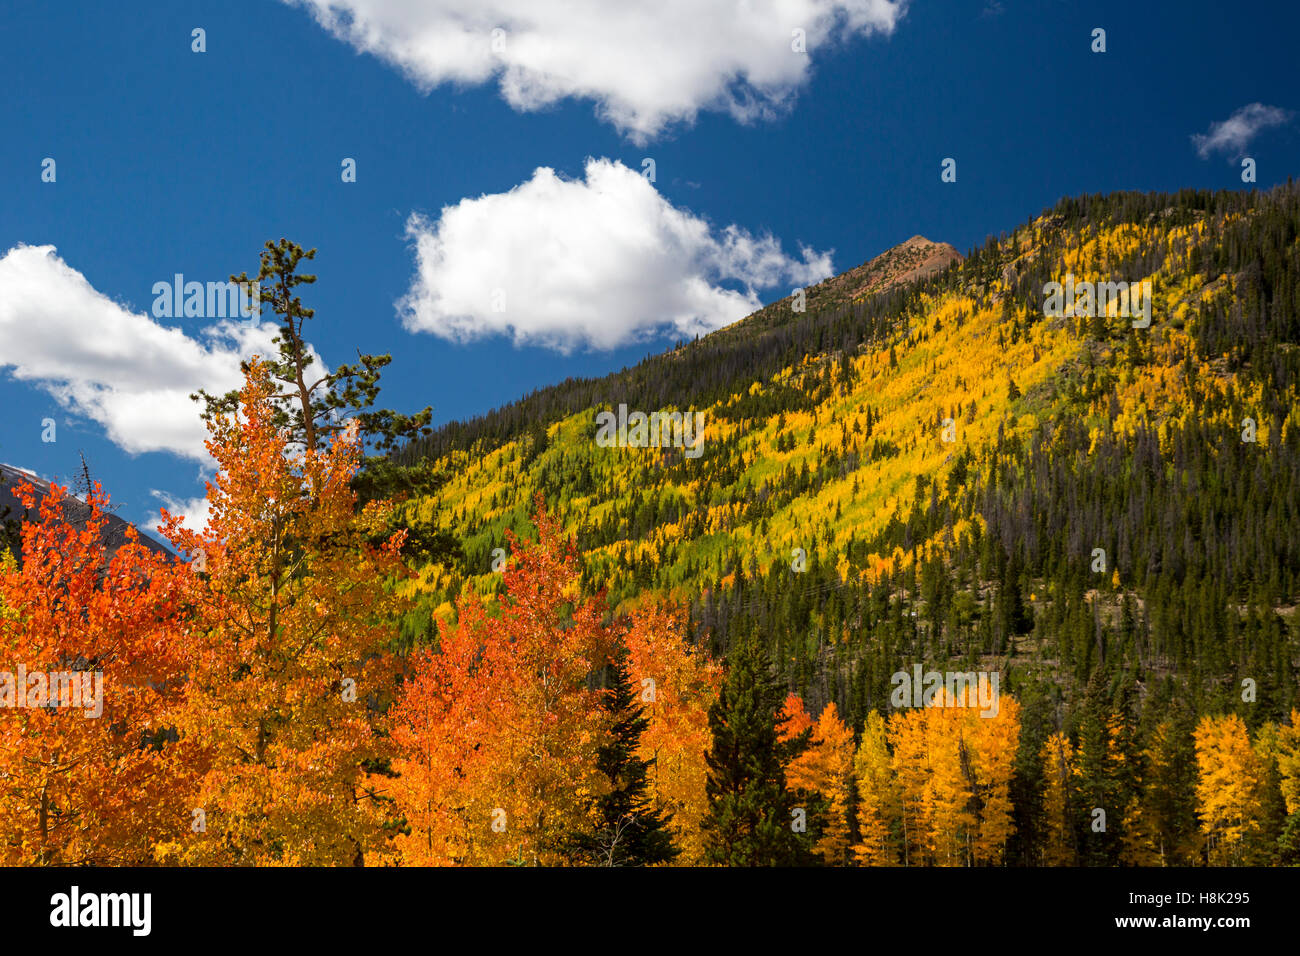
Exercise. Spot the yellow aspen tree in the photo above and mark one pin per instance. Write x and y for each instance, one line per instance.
(1059, 772)
(879, 807)
(910, 762)
(948, 792)
(678, 684)
(1228, 787)
(994, 742)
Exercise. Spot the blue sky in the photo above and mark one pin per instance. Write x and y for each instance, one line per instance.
(171, 161)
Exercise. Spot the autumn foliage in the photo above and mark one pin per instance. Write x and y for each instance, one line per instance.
(254, 708)
(287, 655)
(79, 787)
(496, 730)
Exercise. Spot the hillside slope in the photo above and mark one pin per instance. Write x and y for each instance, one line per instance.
(925, 466)
(13, 512)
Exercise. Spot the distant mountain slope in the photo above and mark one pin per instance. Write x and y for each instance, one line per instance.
(12, 509)
(940, 470)
(840, 313)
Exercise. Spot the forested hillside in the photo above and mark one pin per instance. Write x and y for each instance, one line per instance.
(934, 563)
(939, 472)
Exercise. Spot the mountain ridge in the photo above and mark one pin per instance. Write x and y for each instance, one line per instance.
(762, 340)
(11, 509)
(830, 506)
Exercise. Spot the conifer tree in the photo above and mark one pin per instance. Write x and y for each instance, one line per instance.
(1169, 795)
(752, 816)
(315, 404)
(313, 409)
(629, 831)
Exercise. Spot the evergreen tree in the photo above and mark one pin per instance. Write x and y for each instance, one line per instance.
(313, 403)
(753, 815)
(629, 830)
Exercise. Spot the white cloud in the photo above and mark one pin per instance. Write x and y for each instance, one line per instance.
(193, 512)
(116, 367)
(1234, 134)
(598, 263)
(646, 63)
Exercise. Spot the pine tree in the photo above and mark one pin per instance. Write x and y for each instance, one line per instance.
(1169, 796)
(753, 816)
(629, 831)
(315, 404)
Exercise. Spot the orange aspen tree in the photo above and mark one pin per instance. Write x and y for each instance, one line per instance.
(439, 723)
(91, 655)
(793, 719)
(825, 768)
(678, 685)
(501, 728)
(288, 655)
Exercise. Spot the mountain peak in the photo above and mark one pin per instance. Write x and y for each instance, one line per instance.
(912, 259)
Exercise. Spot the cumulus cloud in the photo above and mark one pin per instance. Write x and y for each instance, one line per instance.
(193, 512)
(116, 367)
(1232, 137)
(600, 262)
(645, 63)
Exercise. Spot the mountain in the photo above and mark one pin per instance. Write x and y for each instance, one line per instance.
(900, 265)
(941, 462)
(908, 261)
(13, 512)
